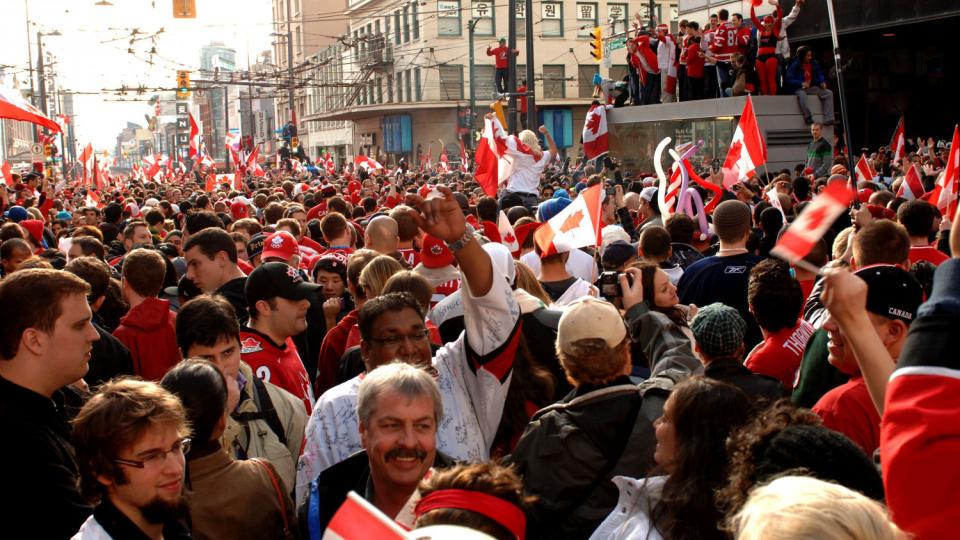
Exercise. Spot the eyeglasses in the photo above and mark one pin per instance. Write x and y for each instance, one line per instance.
(155, 460)
(415, 337)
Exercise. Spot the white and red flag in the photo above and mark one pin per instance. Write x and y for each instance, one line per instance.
(194, 138)
(6, 174)
(253, 165)
(949, 182)
(86, 161)
(367, 163)
(864, 170)
(747, 149)
(490, 159)
(93, 199)
(809, 227)
(14, 107)
(357, 519)
(329, 165)
(508, 236)
(575, 226)
(911, 187)
(899, 142)
(596, 141)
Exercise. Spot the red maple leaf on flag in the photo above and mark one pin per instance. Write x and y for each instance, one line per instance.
(734, 155)
(509, 238)
(816, 217)
(572, 221)
(593, 123)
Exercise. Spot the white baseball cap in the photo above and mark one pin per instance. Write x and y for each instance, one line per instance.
(588, 318)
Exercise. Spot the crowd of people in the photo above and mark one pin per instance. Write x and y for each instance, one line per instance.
(178, 361)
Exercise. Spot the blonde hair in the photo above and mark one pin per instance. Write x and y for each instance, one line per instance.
(804, 507)
(529, 138)
(527, 281)
(375, 274)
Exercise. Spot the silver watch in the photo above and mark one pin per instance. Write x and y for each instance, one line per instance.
(467, 236)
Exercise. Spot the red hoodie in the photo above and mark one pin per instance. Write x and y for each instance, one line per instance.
(150, 332)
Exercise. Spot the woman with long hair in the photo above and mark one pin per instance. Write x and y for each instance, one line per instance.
(691, 436)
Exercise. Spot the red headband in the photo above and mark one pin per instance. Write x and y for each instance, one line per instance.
(494, 508)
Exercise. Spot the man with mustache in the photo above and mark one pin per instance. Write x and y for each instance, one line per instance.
(131, 438)
(46, 338)
(278, 300)
(399, 407)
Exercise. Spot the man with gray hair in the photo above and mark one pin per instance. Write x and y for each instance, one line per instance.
(399, 407)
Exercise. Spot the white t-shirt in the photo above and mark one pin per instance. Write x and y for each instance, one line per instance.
(579, 264)
(525, 177)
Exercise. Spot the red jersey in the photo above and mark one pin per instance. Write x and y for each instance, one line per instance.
(279, 365)
(522, 89)
(780, 354)
(411, 256)
(848, 409)
(501, 56)
(695, 62)
(646, 56)
(727, 42)
(927, 253)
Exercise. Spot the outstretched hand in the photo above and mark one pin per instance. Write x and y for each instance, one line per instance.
(440, 215)
(632, 293)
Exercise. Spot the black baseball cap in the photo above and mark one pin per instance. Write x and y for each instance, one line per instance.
(255, 245)
(277, 280)
(891, 292)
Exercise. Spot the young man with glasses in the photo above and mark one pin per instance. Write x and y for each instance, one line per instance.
(131, 438)
(473, 372)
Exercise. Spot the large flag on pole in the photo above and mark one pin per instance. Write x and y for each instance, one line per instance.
(194, 138)
(367, 163)
(490, 156)
(898, 142)
(86, 161)
(911, 187)
(809, 227)
(865, 172)
(14, 107)
(575, 226)
(747, 149)
(949, 181)
(596, 142)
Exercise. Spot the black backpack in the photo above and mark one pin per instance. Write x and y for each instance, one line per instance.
(266, 411)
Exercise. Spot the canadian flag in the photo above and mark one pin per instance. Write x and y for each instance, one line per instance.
(508, 236)
(911, 187)
(211, 183)
(86, 161)
(747, 149)
(492, 166)
(137, 171)
(774, 197)
(156, 163)
(865, 172)
(950, 179)
(797, 241)
(252, 163)
(14, 107)
(329, 165)
(898, 142)
(595, 139)
(357, 519)
(93, 199)
(367, 163)
(575, 226)
(194, 138)
(6, 174)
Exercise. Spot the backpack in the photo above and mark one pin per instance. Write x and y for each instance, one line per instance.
(265, 411)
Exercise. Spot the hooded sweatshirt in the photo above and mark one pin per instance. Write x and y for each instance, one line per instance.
(149, 331)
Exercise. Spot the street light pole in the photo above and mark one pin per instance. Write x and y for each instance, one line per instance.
(531, 99)
(293, 115)
(511, 66)
(471, 27)
(40, 75)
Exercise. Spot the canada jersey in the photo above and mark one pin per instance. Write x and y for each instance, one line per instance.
(725, 42)
(411, 256)
(280, 366)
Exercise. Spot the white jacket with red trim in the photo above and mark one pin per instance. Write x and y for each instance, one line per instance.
(473, 373)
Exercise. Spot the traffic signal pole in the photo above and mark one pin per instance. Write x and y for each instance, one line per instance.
(531, 99)
(512, 66)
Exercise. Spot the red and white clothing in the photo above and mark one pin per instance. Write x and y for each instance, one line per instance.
(848, 409)
(780, 353)
(695, 62)
(727, 41)
(646, 57)
(473, 374)
(411, 256)
(927, 253)
(279, 365)
(501, 60)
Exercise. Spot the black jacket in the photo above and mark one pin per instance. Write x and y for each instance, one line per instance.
(351, 474)
(42, 497)
(233, 291)
(108, 359)
(760, 388)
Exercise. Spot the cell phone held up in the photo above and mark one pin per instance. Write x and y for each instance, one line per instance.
(609, 284)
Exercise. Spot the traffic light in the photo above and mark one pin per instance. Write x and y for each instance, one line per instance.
(183, 84)
(48, 152)
(596, 43)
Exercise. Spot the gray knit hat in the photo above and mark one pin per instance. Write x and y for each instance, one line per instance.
(718, 329)
(731, 217)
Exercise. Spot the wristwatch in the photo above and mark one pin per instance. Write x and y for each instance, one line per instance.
(463, 240)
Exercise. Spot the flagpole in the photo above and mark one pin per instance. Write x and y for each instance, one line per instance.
(840, 94)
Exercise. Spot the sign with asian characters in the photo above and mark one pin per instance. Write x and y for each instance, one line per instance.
(483, 10)
(551, 10)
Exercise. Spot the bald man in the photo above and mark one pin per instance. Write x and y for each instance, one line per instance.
(381, 235)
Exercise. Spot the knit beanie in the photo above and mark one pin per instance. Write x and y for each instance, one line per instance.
(818, 452)
(551, 207)
(731, 217)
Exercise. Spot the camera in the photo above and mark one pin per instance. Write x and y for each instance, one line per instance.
(609, 284)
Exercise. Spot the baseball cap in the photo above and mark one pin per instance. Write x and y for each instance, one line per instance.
(718, 329)
(280, 244)
(648, 193)
(617, 253)
(64, 215)
(239, 210)
(17, 214)
(335, 263)
(277, 280)
(255, 245)
(587, 318)
(434, 253)
(612, 233)
(891, 292)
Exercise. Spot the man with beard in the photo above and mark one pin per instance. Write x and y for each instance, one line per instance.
(278, 300)
(131, 439)
(399, 407)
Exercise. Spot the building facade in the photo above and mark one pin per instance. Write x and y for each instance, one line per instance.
(400, 83)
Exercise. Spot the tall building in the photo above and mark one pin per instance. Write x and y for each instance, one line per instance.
(401, 82)
(218, 61)
(312, 25)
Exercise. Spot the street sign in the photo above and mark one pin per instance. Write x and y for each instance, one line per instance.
(182, 123)
(617, 43)
(183, 109)
(183, 139)
(37, 150)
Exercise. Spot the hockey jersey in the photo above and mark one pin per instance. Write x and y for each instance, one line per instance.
(279, 365)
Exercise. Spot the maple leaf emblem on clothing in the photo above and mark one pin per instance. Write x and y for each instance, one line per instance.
(293, 274)
(572, 221)
(250, 345)
(593, 123)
